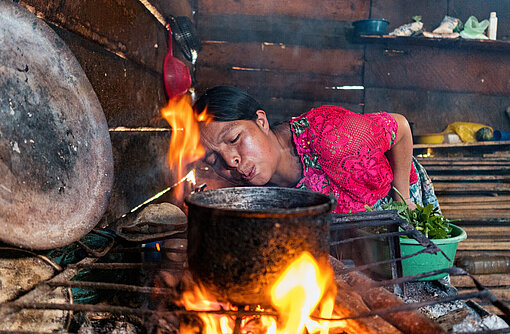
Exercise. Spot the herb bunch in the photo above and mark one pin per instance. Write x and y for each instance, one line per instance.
(426, 219)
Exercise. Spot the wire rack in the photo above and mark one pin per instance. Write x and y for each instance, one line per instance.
(142, 287)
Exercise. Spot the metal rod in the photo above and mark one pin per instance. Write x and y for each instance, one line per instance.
(237, 326)
(491, 297)
(41, 290)
(98, 252)
(128, 310)
(375, 264)
(379, 215)
(411, 278)
(370, 236)
(136, 265)
(115, 286)
(147, 250)
(190, 177)
(396, 266)
(155, 13)
(345, 226)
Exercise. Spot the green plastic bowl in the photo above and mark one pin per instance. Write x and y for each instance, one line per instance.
(425, 262)
(376, 250)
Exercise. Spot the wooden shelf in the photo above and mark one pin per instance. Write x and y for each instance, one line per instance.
(459, 43)
(464, 145)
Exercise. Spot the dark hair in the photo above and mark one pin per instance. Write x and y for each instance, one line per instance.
(227, 103)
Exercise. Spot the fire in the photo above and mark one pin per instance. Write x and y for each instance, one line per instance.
(305, 291)
(201, 300)
(184, 143)
(297, 293)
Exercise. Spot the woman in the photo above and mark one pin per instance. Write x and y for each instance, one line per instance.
(358, 158)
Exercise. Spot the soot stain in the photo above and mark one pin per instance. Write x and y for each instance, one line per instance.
(35, 142)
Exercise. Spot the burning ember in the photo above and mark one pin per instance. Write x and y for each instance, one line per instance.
(184, 143)
(303, 298)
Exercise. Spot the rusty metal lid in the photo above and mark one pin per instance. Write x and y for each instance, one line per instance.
(56, 166)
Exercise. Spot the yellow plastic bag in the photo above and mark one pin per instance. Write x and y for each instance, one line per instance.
(465, 130)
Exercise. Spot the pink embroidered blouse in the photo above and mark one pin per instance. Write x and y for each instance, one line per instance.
(344, 153)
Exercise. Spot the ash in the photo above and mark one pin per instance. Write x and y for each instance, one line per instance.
(455, 317)
(99, 323)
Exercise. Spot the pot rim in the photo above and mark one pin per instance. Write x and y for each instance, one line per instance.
(325, 207)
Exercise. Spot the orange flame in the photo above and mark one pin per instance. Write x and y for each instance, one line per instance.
(304, 289)
(200, 300)
(184, 143)
(296, 294)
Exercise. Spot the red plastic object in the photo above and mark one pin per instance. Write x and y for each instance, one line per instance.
(176, 73)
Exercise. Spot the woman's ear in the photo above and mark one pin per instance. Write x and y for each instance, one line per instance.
(262, 121)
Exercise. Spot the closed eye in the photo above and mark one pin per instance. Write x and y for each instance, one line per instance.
(235, 139)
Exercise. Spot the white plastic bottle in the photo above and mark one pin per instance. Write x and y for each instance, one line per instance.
(493, 26)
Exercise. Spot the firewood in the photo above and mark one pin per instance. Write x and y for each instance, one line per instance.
(349, 303)
(378, 298)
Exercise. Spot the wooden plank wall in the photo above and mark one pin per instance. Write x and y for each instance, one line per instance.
(472, 182)
(434, 87)
(121, 48)
(290, 55)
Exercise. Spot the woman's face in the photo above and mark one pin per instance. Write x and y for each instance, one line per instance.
(242, 152)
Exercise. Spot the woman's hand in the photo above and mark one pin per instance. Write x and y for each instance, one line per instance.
(410, 204)
(408, 200)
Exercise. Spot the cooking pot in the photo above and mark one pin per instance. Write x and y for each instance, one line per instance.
(241, 239)
(56, 165)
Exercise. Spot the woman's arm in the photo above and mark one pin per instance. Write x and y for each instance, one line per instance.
(400, 158)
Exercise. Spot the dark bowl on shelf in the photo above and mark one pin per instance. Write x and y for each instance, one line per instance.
(370, 27)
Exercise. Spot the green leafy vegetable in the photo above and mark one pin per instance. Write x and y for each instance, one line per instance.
(426, 219)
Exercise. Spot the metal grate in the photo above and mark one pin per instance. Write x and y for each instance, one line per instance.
(344, 231)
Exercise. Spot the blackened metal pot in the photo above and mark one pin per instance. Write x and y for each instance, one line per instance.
(241, 239)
